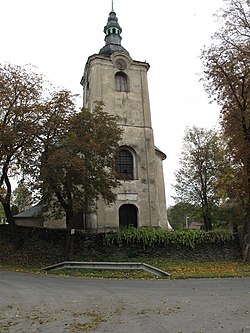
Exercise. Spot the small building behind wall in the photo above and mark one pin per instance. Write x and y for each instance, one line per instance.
(31, 217)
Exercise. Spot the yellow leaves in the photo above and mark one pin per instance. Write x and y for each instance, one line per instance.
(93, 322)
(208, 269)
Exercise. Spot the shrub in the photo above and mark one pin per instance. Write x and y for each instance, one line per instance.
(151, 237)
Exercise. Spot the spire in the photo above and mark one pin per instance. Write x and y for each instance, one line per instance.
(113, 37)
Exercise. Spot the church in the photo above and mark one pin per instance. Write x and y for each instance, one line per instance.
(120, 82)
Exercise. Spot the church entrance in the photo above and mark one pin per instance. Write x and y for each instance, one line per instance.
(128, 216)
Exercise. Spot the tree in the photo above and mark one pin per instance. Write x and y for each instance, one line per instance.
(182, 213)
(31, 114)
(20, 101)
(79, 167)
(227, 79)
(202, 162)
(22, 197)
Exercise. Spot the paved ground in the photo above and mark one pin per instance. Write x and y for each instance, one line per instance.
(38, 303)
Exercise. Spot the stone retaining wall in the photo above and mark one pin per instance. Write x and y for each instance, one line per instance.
(51, 242)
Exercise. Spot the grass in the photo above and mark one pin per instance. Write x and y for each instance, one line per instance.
(210, 269)
(181, 269)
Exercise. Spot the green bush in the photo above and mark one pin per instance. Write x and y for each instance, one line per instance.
(153, 236)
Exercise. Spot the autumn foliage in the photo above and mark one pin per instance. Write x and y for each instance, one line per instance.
(66, 154)
(227, 80)
(78, 166)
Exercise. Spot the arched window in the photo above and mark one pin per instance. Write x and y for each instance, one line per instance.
(87, 93)
(125, 164)
(121, 82)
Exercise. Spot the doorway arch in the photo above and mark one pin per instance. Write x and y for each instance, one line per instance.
(128, 216)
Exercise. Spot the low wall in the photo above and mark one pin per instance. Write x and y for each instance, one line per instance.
(50, 244)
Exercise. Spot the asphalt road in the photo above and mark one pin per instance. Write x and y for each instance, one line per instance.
(39, 303)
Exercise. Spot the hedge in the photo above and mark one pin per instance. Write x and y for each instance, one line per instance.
(147, 237)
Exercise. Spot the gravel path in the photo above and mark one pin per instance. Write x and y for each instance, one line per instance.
(39, 303)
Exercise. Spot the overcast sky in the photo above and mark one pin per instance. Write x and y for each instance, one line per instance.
(59, 35)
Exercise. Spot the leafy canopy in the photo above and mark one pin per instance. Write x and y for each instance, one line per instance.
(226, 78)
(78, 165)
(202, 163)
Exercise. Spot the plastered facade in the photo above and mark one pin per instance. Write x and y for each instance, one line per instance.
(146, 191)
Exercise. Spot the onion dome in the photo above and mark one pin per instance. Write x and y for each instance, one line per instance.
(113, 37)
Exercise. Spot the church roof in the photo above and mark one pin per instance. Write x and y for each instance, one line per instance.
(163, 155)
(34, 211)
(113, 37)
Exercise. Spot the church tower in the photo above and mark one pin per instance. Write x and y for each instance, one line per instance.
(120, 82)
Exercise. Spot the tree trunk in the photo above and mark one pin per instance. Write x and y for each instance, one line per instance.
(70, 235)
(206, 214)
(246, 237)
(247, 222)
(12, 224)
